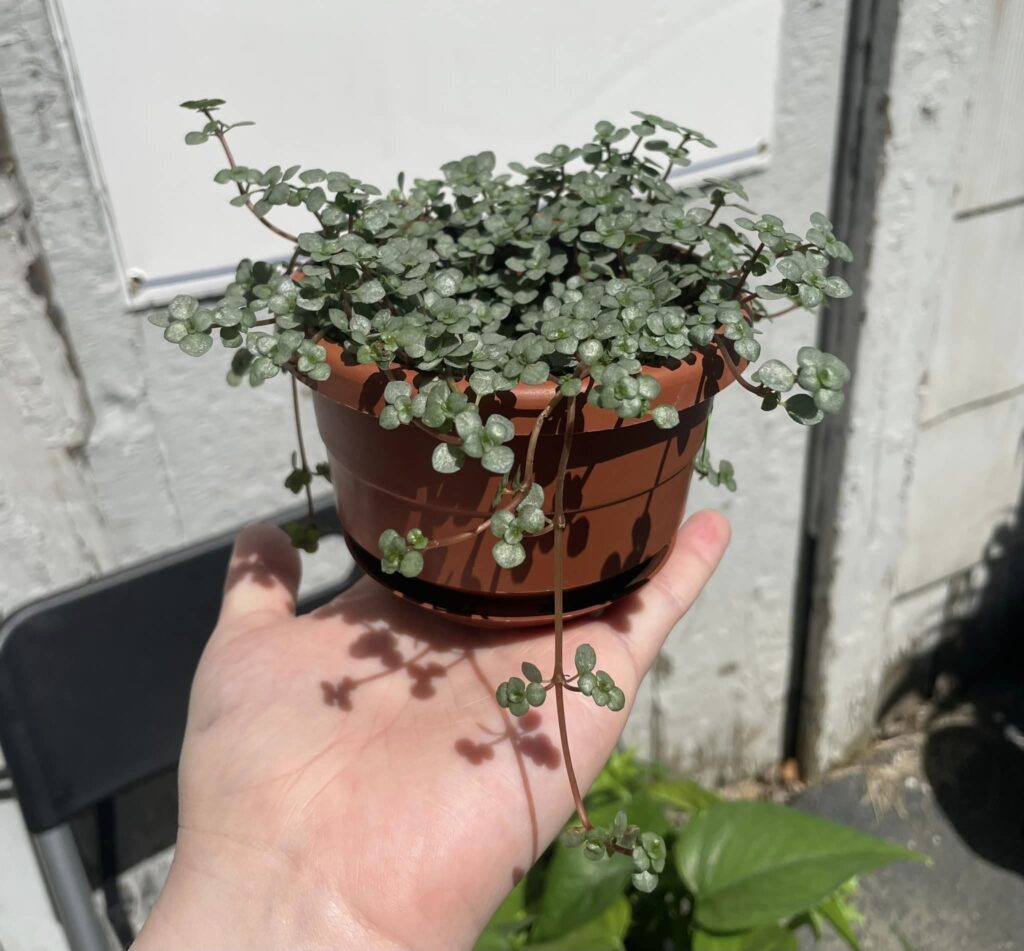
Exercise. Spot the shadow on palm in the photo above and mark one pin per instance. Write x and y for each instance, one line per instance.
(334, 741)
(395, 649)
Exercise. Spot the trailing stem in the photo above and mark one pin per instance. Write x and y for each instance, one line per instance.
(302, 445)
(559, 586)
(723, 349)
(222, 138)
(779, 313)
(528, 466)
(745, 270)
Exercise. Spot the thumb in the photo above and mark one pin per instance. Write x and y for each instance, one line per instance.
(650, 614)
(263, 576)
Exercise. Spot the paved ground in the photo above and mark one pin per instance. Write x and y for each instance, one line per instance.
(949, 783)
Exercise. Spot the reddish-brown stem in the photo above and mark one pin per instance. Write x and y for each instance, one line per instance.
(302, 444)
(258, 323)
(671, 164)
(241, 190)
(524, 488)
(714, 211)
(779, 313)
(531, 451)
(745, 270)
(559, 673)
(723, 349)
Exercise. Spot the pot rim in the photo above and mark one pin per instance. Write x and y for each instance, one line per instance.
(690, 382)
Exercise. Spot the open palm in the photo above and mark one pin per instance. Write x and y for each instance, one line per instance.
(347, 779)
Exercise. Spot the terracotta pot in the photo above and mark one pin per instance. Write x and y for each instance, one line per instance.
(625, 493)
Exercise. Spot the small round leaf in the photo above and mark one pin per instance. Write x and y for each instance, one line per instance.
(775, 375)
(803, 409)
(499, 427)
(446, 458)
(182, 307)
(665, 416)
(645, 882)
(389, 419)
(395, 390)
(411, 564)
(509, 555)
(530, 518)
(586, 658)
(195, 345)
(498, 460)
(468, 422)
(532, 672)
(369, 293)
(535, 374)
(829, 401)
(415, 538)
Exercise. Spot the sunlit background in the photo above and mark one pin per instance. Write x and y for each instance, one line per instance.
(876, 559)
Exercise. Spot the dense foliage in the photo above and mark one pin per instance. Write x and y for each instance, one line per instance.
(588, 265)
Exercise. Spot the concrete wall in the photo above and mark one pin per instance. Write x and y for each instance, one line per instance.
(116, 448)
(113, 450)
(932, 457)
(718, 702)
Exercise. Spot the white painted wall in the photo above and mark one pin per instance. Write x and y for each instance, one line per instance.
(113, 451)
(135, 450)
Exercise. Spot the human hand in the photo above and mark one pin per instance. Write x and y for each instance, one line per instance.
(347, 779)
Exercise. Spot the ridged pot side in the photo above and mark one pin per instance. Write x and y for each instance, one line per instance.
(625, 493)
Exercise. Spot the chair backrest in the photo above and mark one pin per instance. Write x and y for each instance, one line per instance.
(94, 681)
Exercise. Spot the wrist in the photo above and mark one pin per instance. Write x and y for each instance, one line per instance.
(235, 898)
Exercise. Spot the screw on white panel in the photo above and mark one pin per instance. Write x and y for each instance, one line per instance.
(135, 278)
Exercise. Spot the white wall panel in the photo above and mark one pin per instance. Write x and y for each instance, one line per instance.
(975, 331)
(993, 135)
(378, 88)
(967, 477)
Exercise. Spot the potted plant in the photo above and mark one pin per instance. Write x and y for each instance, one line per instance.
(513, 373)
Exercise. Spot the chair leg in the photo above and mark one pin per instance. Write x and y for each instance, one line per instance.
(69, 888)
(106, 830)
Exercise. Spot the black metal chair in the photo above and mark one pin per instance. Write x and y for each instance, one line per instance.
(94, 686)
